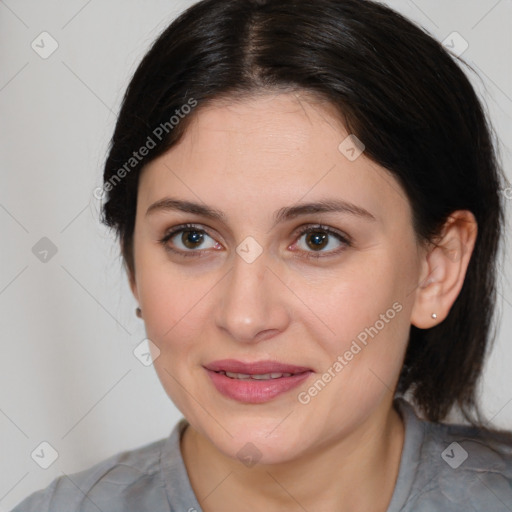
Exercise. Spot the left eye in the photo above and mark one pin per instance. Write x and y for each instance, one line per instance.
(318, 238)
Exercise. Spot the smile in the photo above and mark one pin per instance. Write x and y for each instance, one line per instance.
(256, 388)
(261, 376)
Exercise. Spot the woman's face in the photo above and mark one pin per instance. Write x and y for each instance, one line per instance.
(246, 285)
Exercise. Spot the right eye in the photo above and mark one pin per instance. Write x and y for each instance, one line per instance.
(189, 238)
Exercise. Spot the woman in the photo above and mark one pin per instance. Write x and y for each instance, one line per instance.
(309, 209)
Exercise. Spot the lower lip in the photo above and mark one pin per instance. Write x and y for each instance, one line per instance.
(254, 391)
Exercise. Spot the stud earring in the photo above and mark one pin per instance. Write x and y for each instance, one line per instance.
(434, 315)
(138, 312)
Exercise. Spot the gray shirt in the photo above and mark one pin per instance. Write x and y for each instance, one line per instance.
(448, 468)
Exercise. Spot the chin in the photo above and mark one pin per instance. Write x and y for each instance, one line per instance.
(250, 453)
(259, 442)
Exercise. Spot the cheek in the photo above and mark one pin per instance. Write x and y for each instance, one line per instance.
(354, 295)
(367, 310)
(173, 297)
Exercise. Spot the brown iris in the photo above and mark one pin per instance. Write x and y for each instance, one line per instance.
(318, 239)
(191, 238)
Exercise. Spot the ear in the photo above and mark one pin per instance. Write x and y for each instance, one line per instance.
(444, 267)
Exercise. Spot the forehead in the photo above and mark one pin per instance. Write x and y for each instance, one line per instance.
(269, 149)
(293, 123)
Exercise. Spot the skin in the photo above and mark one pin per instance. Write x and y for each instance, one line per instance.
(249, 158)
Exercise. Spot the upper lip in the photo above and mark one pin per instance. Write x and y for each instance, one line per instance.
(254, 368)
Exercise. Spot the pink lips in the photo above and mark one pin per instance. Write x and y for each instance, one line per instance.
(252, 390)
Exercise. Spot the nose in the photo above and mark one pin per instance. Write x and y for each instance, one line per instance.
(252, 301)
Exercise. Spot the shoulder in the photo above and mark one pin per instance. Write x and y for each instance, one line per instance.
(462, 467)
(125, 480)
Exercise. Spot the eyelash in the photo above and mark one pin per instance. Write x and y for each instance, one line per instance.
(309, 229)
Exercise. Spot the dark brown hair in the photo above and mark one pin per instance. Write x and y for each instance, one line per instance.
(395, 87)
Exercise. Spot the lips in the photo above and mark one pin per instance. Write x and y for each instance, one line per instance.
(256, 382)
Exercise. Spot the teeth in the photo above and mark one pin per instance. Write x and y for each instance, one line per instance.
(238, 375)
(263, 376)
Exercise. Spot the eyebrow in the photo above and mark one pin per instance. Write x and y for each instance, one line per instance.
(286, 213)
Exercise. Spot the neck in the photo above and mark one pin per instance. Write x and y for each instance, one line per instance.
(356, 473)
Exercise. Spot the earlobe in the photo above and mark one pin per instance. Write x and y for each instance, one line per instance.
(443, 270)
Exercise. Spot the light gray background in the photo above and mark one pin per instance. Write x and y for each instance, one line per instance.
(68, 373)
